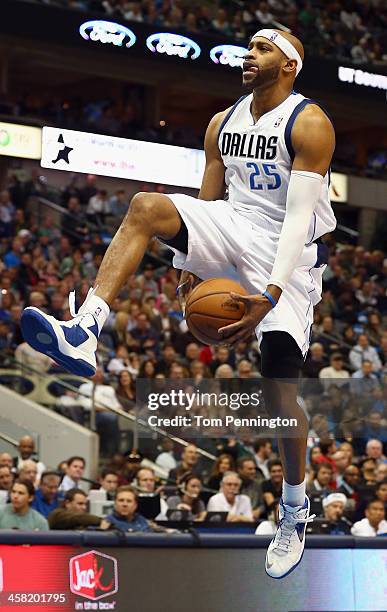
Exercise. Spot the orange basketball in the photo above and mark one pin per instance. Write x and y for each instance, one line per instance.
(210, 307)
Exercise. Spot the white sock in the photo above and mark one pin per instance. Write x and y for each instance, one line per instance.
(98, 308)
(293, 495)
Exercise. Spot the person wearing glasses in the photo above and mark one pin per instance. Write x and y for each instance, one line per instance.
(230, 500)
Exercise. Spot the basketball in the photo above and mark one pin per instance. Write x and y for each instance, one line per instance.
(209, 307)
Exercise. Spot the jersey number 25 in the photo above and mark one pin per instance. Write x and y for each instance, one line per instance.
(264, 171)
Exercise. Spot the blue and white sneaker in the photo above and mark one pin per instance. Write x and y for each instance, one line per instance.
(287, 547)
(71, 344)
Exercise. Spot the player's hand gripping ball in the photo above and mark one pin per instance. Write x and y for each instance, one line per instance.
(210, 307)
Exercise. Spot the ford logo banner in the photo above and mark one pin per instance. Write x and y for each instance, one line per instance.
(228, 55)
(173, 44)
(107, 32)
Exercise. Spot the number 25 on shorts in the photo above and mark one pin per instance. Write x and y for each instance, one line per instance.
(265, 171)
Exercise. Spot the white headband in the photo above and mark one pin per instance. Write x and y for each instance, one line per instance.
(282, 43)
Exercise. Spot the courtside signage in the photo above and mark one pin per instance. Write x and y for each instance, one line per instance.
(173, 44)
(360, 77)
(122, 158)
(338, 188)
(107, 32)
(228, 55)
(20, 141)
(93, 575)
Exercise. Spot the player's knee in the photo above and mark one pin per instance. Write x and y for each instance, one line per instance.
(145, 206)
(142, 204)
(156, 212)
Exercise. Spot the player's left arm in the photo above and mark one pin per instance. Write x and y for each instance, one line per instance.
(313, 141)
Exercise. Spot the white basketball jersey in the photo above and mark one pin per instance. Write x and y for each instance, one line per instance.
(258, 158)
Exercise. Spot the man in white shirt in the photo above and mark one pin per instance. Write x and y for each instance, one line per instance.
(106, 421)
(363, 351)
(374, 450)
(374, 523)
(166, 459)
(228, 500)
(334, 373)
(74, 472)
(27, 451)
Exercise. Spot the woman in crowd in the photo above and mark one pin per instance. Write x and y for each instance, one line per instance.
(224, 463)
(125, 391)
(188, 498)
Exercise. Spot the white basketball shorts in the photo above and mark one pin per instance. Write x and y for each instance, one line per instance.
(224, 243)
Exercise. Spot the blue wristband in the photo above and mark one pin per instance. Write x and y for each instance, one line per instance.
(270, 298)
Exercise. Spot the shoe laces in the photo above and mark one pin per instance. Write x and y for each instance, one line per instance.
(286, 529)
(81, 309)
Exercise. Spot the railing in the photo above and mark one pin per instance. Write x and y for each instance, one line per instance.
(33, 374)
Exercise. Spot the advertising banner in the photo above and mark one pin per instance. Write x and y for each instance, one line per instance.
(122, 158)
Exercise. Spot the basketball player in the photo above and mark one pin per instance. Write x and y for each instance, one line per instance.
(272, 150)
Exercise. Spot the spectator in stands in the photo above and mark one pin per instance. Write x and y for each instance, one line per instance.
(272, 487)
(350, 485)
(247, 471)
(31, 359)
(98, 207)
(119, 204)
(166, 458)
(188, 463)
(320, 484)
(375, 430)
(362, 352)
(6, 478)
(47, 496)
(262, 453)
(109, 483)
(120, 362)
(188, 499)
(341, 460)
(73, 513)
(315, 361)
(364, 381)
(229, 500)
(18, 514)
(381, 472)
(6, 459)
(374, 522)
(335, 373)
(74, 473)
(328, 336)
(381, 492)
(220, 23)
(222, 356)
(104, 397)
(27, 451)
(125, 516)
(374, 450)
(125, 391)
(224, 463)
(368, 470)
(29, 471)
(333, 506)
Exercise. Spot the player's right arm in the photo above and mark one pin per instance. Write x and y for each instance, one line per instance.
(213, 185)
(213, 188)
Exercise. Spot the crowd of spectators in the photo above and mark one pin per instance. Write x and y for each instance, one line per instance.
(351, 30)
(347, 497)
(343, 387)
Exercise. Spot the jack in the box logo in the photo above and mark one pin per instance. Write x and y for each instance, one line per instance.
(93, 575)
